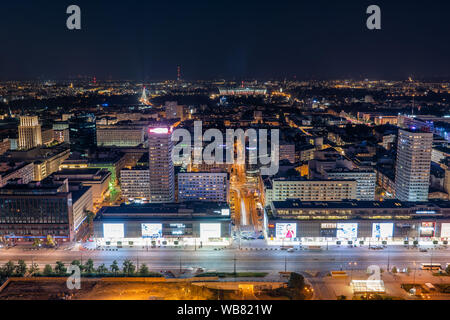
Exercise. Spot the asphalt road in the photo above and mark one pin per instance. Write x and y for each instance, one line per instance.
(246, 260)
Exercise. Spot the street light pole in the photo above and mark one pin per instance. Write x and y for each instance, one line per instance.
(388, 269)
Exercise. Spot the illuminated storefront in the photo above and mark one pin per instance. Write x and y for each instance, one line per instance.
(163, 225)
(358, 223)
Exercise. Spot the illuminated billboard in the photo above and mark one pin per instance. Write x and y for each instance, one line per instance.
(210, 230)
(445, 230)
(427, 229)
(113, 230)
(382, 230)
(286, 230)
(152, 230)
(347, 230)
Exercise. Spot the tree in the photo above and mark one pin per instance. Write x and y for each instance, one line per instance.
(89, 216)
(33, 269)
(50, 241)
(60, 268)
(89, 266)
(9, 268)
(128, 267)
(144, 271)
(296, 281)
(21, 268)
(114, 267)
(448, 269)
(37, 242)
(394, 270)
(89, 219)
(48, 270)
(78, 264)
(102, 269)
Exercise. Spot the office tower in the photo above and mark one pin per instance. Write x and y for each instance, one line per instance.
(54, 208)
(30, 135)
(203, 186)
(135, 183)
(162, 183)
(61, 132)
(47, 136)
(120, 135)
(82, 130)
(5, 145)
(21, 172)
(281, 189)
(174, 110)
(365, 181)
(287, 152)
(412, 177)
(98, 179)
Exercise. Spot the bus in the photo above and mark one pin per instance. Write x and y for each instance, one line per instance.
(431, 266)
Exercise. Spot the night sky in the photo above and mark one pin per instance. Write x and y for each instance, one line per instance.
(147, 40)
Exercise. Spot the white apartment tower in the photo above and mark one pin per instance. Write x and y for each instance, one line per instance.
(412, 177)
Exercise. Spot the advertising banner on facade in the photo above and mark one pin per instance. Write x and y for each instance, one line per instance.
(113, 230)
(286, 230)
(347, 230)
(152, 230)
(382, 230)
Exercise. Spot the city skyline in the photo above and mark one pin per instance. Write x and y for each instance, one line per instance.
(224, 150)
(303, 40)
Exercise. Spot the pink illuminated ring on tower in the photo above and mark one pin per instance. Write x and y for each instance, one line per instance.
(159, 130)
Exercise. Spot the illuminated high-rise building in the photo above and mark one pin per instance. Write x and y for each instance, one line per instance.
(412, 178)
(30, 134)
(162, 182)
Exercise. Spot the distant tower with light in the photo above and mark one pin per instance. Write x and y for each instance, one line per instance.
(179, 73)
(144, 98)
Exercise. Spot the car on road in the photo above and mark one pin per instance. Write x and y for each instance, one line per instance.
(423, 250)
(169, 274)
(291, 250)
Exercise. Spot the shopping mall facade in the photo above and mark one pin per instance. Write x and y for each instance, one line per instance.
(358, 222)
(174, 224)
